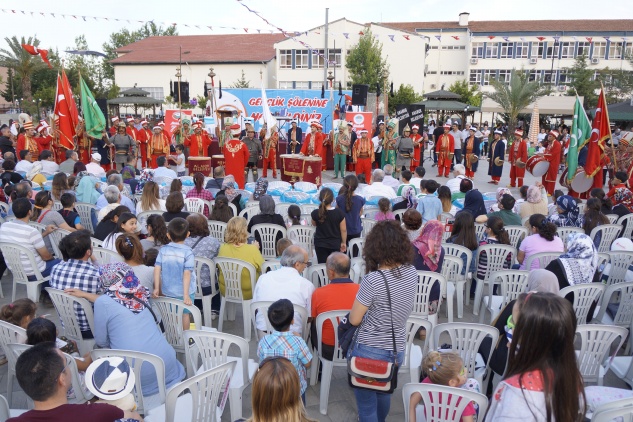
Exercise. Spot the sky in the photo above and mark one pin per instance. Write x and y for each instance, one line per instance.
(299, 15)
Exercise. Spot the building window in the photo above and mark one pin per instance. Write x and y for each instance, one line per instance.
(521, 50)
(628, 51)
(285, 59)
(547, 77)
(552, 50)
(507, 50)
(487, 75)
(453, 47)
(335, 56)
(534, 75)
(537, 49)
(504, 76)
(318, 61)
(434, 47)
(567, 50)
(302, 85)
(599, 50)
(492, 50)
(317, 85)
(301, 59)
(583, 49)
(477, 50)
(475, 77)
(452, 72)
(563, 77)
(285, 84)
(615, 50)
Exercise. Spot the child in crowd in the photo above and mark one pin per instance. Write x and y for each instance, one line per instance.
(444, 369)
(284, 343)
(429, 205)
(150, 257)
(125, 224)
(282, 245)
(41, 330)
(384, 213)
(71, 217)
(19, 312)
(180, 160)
(294, 217)
(495, 234)
(174, 274)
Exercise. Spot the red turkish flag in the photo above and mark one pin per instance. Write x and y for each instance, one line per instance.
(600, 132)
(65, 126)
(72, 105)
(34, 51)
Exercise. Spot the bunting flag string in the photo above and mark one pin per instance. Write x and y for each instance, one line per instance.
(506, 39)
(391, 37)
(455, 37)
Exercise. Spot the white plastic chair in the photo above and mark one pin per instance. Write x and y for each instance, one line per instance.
(317, 274)
(271, 265)
(84, 210)
(308, 208)
(452, 270)
(268, 234)
(204, 401)
(595, 344)
(480, 229)
(217, 229)
(564, 232)
(459, 251)
(442, 403)
(413, 353)
(584, 296)
(200, 263)
(358, 269)
(15, 256)
(106, 256)
(517, 234)
(327, 365)
(67, 307)
(282, 208)
(4, 208)
(262, 307)
(279, 184)
(623, 317)
(57, 206)
(465, 339)
(55, 237)
(619, 264)
(627, 220)
(96, 243)
(194, 205)
(496, 255)
(398, 214)
(302, 235)
(619, 410)
(136, 360)
(248, 213)
(370, 212)
(355, 247)
(231, 269)
(512, 283)
(305, 186)
(6, 412)
(163, 180)
(609, 232)
(368, 224)
(543, 258)
(426, 280)
(613, 218)
(9, 334)
(208, 350)
(171, 314)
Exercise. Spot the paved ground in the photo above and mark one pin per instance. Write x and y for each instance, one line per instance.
(342, 405)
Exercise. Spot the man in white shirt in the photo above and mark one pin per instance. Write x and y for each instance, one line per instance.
(116, 180)
(389, 180)
(417, 177)
(459, 171)
(93, 167)
(466, 131)
(457, 135)
(162, 170)
(25, 163)
(48, 163)
(285, 283)
(377, 187)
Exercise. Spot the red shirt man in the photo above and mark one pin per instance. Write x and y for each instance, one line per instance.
(552, 154)
(445, 148)
(313, 143)
(418, 147)
(518, 152)
(236, 155)
(198, 143)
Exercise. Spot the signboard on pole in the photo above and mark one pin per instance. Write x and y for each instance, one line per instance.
(360, 120)
(172, 119)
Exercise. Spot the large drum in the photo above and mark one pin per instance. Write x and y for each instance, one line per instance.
(217, 160)
(200, 165)
(297, 167)
(581, 183)
(537, 165)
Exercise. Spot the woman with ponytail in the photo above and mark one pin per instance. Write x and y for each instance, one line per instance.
(200, 192)
(542, 239)
(351, 205)
(331, 231)
(495, 234)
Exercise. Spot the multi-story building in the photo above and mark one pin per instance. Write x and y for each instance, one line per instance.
(480, 50)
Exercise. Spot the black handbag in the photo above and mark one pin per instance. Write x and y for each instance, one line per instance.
(375, 374)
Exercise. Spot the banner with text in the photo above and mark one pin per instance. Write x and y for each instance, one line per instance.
(360, 120)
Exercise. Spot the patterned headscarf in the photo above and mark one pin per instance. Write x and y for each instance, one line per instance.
(581, 259)
(534, 195)
(429, 243)
(261, 187)
(229, 186)
(570, 208)
(501, 192)
(408, 193)
(623, 196)
(122, 285)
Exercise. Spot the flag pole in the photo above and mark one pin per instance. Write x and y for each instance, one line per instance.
(606, 112)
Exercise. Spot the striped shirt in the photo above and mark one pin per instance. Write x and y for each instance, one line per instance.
(20, 233)
(375, 330)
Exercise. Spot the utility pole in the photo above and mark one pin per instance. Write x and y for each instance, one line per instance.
(327, 54)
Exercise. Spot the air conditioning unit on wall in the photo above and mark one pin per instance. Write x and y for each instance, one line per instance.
(533, 60)
(595, 61)
(433, 86)
(473, 61)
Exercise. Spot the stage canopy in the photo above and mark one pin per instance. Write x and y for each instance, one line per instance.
(559, 105)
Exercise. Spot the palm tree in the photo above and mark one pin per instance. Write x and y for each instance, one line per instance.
(22, 63)
(515, 95)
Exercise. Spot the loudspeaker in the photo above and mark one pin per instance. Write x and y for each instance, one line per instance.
(184, 92)
(359, 95)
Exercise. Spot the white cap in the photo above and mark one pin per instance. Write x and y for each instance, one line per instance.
(96, 156)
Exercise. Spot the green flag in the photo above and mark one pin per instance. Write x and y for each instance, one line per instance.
(93, 116)
(580, 133)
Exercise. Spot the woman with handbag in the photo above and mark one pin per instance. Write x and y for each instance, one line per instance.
(380, 311)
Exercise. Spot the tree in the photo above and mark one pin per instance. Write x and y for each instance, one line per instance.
(618, 84)
(470, 94)
(241, 82)
(125, 37)
(404, 95)
(365, 62)
(583, 83)
(89, 67)
(22, 63)
(515, 95)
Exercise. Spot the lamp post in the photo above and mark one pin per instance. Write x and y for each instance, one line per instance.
(330, 79)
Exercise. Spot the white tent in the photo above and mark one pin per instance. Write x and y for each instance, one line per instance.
(546, 105)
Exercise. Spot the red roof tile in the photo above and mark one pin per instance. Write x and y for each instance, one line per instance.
(584, 25)
(226, 48)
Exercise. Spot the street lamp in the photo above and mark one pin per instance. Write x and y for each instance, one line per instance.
(211, 91)
(330, 78)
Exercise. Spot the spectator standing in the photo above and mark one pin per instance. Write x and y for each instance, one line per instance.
(331, 230)
(352, 206)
